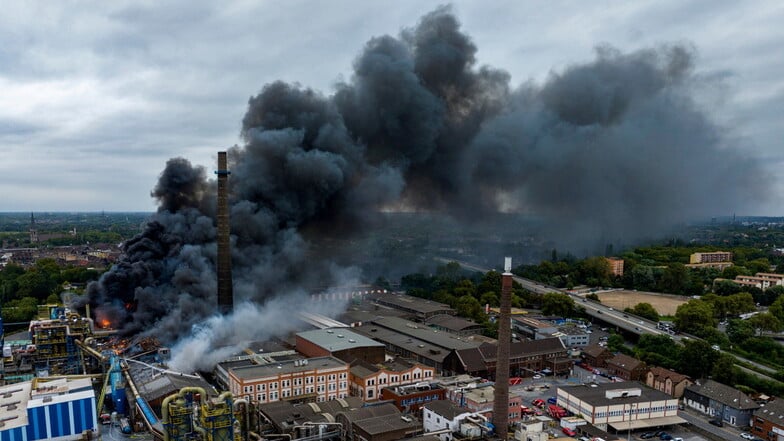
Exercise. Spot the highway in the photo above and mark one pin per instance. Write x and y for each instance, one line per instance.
(619, 319)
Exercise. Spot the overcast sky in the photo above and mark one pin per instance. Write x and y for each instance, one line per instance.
(96, 96)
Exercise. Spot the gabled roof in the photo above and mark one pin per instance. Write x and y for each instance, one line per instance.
(446, 409)
(724, 394)
(596, 351)
(625, 362)
(472, 359)
(661, 374)
(773, 412)
(451, 322)
(476, 359)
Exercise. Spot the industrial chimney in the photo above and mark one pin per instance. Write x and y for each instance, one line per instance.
(225, 292)
(501, 399)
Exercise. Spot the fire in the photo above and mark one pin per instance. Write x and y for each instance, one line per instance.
(105, 323)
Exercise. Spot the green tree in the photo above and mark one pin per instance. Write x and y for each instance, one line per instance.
(667, 352)
(489, 298)
(724, 371)
(491, 282)
(765, 322)
(697, 358)
(646, 310)
(738, 331)
(593, 296)
(557, 304)
(468, 306)
(615, 342)
(777, 308)
(694, 315)
(675, 279)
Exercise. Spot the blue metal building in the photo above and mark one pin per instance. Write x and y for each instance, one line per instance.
(60, 410)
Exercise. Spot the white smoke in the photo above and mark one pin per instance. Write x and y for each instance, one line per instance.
(220, 337)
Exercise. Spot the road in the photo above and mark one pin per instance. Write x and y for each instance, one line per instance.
(620, 319)
(607, 314)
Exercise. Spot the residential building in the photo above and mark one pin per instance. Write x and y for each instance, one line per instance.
(711, 257)
(720, 401)
(622, 406)
(768, 422)
(626, 367)
(616, 266)
(311, 380)
(597, 356)
(440, 415)
(367, 380)
(667, 381)
(342, 343)
(762, 281)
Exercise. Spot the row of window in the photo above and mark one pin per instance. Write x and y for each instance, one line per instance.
(422, 399)
(636, 410)
(394, 378)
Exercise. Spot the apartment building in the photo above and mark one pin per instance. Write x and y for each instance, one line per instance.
(367, 380)
(712, 257)
(616, 266)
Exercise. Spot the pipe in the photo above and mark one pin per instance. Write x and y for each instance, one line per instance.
(165, 407)
(245, 428)
(91, 351)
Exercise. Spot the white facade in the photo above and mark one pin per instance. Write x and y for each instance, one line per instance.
(632, 406)
(433, 422)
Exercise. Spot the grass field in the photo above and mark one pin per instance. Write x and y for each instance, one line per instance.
(665, 304)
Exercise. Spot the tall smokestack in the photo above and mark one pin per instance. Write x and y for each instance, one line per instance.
(225, 294)
(501, 401)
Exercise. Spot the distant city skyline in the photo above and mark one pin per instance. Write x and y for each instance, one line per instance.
(96, 97)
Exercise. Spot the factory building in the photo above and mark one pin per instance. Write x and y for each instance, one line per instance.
(60, 409)
(620, 406)
(340, 343)
(419, 308)
(460, 422)
(525, 358)
(454, 325)
(410, 398)
(311, 380)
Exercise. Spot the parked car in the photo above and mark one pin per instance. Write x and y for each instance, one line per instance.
(746, 435)
(552, 400)
(647, 435)
(537, 377)
(568, 432)
(716, 423)
(665, 437)
(538, 402)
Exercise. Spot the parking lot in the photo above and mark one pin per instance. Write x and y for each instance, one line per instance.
(546, 386)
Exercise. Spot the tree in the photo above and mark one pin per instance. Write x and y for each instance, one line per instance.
(646, 310)
(724, 371)
(777, 308)
(767, 297)
(468, 306)
(694, 315)
(726, 287)
(557, 304)
(489, 298)
(738, 331)
(667, 353)
(697, 358)
(675, 279)
(491, 282)
(594, 297)
(643, 278)
(614, 342)
(765, 322)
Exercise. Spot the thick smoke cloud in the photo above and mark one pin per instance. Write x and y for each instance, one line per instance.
(616, 147)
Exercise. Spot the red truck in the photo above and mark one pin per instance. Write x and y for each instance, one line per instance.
(556, 411)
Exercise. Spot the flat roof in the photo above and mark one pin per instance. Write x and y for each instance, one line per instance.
(647, 422)
(14, 408)
(338, 339)
(413, 303)
(416, 346)
(425, 333)
(597, 395)
(287, 367)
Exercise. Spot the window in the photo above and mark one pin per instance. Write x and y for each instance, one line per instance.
(285, 383)
(370, 393)
(309, 380)
(261, 387)
(308, 389)
(298, 382)
(332, 377)
(332, 387)
(394, 379)
(343, 385)
(298, 391)
(273, 396)
(320, 378)
(371, 382)
(342, 375)
(428, 374)
(286, 393)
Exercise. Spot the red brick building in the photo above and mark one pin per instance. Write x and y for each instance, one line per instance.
(626, 367)
(768, 422)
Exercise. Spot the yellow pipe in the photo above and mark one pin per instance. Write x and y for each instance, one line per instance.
(165, 407)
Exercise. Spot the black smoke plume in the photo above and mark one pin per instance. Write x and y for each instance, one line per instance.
(615, 147)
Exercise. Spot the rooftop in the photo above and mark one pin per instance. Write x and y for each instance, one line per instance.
(597, 396)
(416, 346)
(424, 332)
(451, 322)
(287, 367)
(773, 411)
(338, 339)
(724, 394)
(412, 303)
(446, 409)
